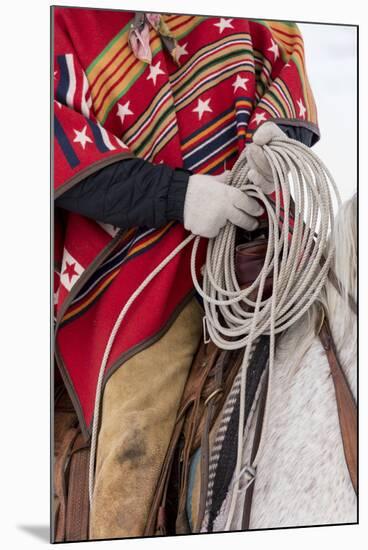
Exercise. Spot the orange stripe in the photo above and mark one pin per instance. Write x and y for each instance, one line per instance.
(103, 285)
(98, 290)
(207, 131)
(295, 36)
(73, 312)
(208, 167)
(185, 22)
(203, 134)
(150, 146)
(308, 96)
(112, 60)
(245, 102)
(149, 241)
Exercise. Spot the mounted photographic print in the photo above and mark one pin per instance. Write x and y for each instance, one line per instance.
(205, 288)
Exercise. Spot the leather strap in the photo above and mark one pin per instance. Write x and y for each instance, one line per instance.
(347, 412)
(77, 512)
(211, 354)
(205, 444)
(346, 406)
(256, 440)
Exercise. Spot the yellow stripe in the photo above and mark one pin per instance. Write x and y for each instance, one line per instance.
(288, 46)
(160, 145)
(208, 85)
(289, 41)
(207, 131)
(109, 83)
(289, 105)
(213, 127)
(105, 60)
(146, 115)
(185, 27)
(155, 43)
(152, 136)
(201, 66)
(220, 159)
(73, 312)
(266, 108)
(151, 240)
(243, 102)
(279, 102)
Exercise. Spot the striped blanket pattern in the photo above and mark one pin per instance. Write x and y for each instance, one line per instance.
(233, 75)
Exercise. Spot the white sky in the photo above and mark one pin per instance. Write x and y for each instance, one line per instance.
(332, 69)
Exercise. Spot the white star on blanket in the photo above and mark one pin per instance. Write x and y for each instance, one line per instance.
(81, 137)
(302, 109)
(240, 83)
(259, 117)
(123, 111)
(181, 50)
(224, 24)
(274, 49)
(202, 107)
(154, 72)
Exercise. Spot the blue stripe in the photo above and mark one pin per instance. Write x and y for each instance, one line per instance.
(242, 117)
(63, 85)
(208, 125)
(138, 253)
(217, 167)
(111, 263)
(98, 137)
(65, 144)
(220, 116)
(201, 150)
(208, 150)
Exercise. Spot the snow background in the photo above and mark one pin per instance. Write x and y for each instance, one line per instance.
(331, 61)
(25, 404)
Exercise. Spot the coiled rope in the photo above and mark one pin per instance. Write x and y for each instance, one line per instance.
(293, 257)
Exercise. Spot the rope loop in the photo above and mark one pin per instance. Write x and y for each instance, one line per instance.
(296, 243)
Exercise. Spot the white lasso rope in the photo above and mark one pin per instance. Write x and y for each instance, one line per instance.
(294, 261)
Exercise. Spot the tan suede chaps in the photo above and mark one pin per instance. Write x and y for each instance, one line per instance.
(139, 407)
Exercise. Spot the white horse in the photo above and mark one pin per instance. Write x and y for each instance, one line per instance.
(302, 477)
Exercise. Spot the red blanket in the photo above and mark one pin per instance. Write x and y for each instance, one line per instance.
(233, 75)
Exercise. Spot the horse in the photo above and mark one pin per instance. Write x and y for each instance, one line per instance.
(302, 477)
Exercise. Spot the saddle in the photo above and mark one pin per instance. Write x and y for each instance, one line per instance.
(71, 458)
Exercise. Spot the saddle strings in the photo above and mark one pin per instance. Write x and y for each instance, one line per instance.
(293, 258)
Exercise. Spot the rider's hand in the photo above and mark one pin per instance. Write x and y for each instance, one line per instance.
(260, 172)
(210, 203)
